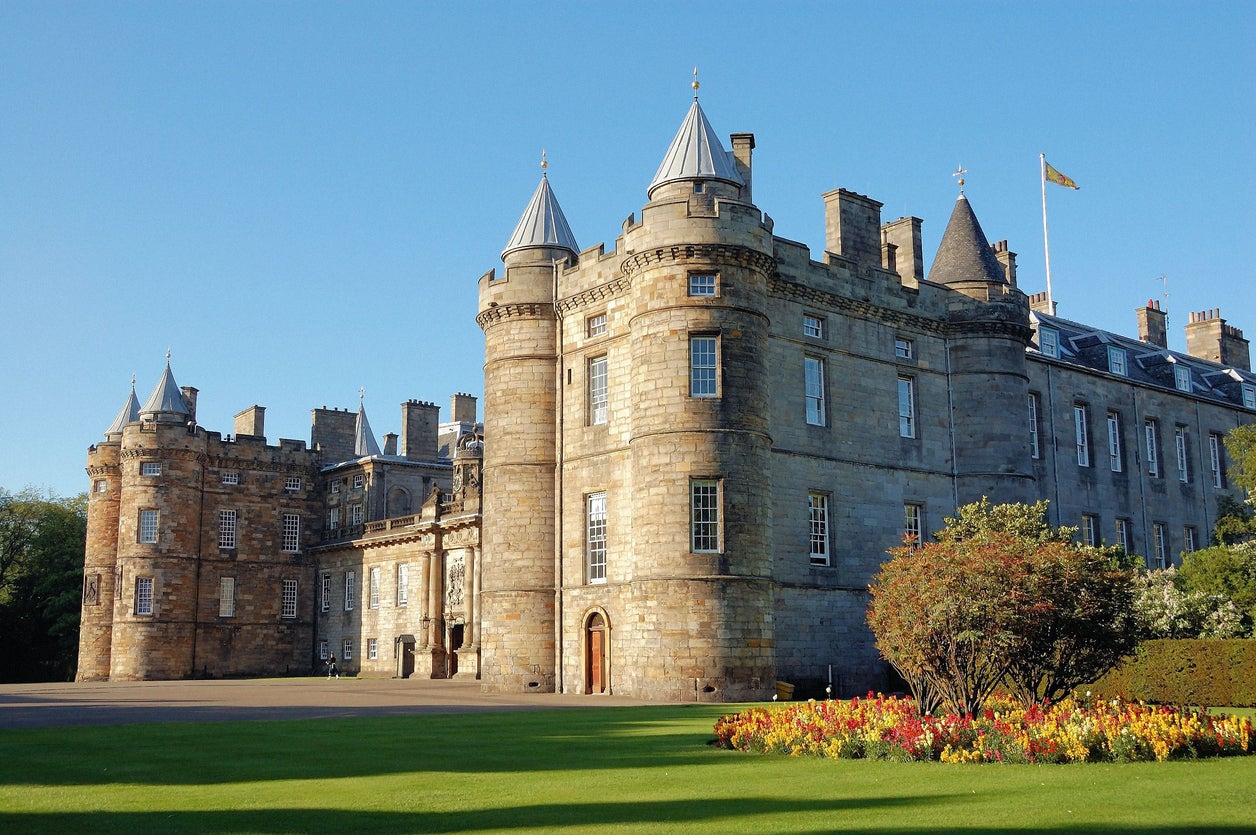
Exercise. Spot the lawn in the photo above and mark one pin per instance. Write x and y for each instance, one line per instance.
(642, 769)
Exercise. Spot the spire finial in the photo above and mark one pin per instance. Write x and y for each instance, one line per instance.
(167, 356)
(544, 162)
(959, 176)
(132, 381)
(695, 83)
(361, 394)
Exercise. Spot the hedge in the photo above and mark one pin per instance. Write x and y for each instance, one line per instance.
(1208, 672)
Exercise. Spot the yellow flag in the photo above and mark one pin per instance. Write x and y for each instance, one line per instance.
(1058, 178)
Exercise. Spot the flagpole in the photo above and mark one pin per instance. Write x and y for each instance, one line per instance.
(1046, 244)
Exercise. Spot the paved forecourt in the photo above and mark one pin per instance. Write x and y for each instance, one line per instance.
(135, 702)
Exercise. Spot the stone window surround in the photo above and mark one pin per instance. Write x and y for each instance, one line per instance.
(814, 383)
(144, 594)
(705, 518)
(813, 326)
(819, 530)
(906, 406)
(703, 284)
(704, 365)
(147, 528)
(595, 536)
(598, 377)
(288, 600)
(226, 529)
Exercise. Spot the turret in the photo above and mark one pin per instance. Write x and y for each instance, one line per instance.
(100, 560)
(699, 262)
(158, 539)
(988, 331)
(520, 380)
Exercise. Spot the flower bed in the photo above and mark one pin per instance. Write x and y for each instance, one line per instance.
(887, 728)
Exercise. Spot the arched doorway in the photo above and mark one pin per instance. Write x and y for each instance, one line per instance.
(595, 634)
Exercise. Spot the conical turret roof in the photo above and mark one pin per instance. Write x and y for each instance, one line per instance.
(129, 413)
(696, 154)
(364, 443)
(166, 399)
(965, 254)
(542, 224)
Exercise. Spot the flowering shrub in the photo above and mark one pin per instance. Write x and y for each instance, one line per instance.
(887, 728)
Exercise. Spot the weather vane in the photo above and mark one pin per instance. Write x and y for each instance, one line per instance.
(361, 393)
(959, 176)
(695, 83)
(544, 164)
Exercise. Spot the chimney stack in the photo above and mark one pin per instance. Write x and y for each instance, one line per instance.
(420, 426)
(904, 235)
(251, 421)
(1210, 338)
(743, 144)
(1151, 324)
(852, 227)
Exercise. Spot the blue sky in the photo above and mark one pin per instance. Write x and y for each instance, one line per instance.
(298, 198)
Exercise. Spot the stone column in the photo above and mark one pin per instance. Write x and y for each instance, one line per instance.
(436, 581)
(425, 562)
(473, 598)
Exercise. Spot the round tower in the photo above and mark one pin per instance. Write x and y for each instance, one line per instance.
(158, 535)
(100, 559)
(517, 601)
(986, 340)
(700, 602)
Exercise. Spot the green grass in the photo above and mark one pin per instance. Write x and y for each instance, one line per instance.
(644, 769)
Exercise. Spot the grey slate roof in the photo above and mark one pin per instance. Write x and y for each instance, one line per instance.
(1147, 364)
(166, 399)
(542, 224)
(129, 413)
(696, 154)
(364, 443)
(965, 254)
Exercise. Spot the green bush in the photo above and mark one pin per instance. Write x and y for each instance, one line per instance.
(1202, 671)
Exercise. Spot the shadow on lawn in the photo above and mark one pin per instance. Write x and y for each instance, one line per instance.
(711, 815)
(241, 752)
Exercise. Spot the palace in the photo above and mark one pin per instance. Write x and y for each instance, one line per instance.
(697, 447)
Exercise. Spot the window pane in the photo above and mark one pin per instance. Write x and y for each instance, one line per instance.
(226, 597)
(144, 596)
(226, 529)
(702, 368)
(705, 515)
(813, 372)
(148, 526)
(701, 285)
(595, 536)
(597, 390)
(289, 599)
(906, 408)
(291, 533)
(818, 511)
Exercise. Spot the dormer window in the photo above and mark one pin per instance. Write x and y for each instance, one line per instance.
(1049, 342)
(1249, 397)
(1116, 360)
(1182, 378)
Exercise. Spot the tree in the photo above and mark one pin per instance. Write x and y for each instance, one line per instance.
(1166, 607)
(1240, 447)
(1228, 573)
(41, 574)
(1000, 597)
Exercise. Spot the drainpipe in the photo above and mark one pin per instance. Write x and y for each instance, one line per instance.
(558, 495)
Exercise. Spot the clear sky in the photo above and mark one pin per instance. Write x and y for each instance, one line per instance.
(297, 199)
